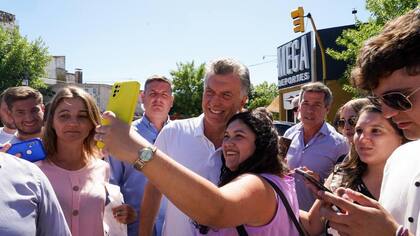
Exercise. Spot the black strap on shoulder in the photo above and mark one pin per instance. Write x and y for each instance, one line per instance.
(241, 230)
(341, 158)
(287, 206)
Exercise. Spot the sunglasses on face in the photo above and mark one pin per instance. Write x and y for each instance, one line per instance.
(396, 100)
(350, 121)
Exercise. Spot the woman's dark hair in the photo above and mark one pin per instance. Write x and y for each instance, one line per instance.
(266, 157)
(353, 168)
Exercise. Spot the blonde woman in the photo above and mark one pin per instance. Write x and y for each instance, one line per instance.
(73, 164)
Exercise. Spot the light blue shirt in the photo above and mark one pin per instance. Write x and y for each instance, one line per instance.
(28, 204)
(320, 155)
(132, 181)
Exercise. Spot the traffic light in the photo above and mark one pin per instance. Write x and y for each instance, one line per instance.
(298, 20)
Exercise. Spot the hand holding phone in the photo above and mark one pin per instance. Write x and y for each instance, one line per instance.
(317, 184)
(31, 150)
(312, 180)
(122, 101)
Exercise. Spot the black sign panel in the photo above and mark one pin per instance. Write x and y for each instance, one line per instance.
(294, 62)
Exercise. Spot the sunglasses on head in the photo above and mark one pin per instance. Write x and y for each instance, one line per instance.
(351, 121)
(396, 100)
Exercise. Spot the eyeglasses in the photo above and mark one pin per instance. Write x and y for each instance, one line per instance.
(351, 121)
(398, 100)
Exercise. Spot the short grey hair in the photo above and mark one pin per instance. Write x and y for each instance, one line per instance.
(224, 66)
(317, 87)
(159, 78)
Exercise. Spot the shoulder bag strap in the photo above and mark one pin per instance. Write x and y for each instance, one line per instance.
(241, 230)
(287, 206)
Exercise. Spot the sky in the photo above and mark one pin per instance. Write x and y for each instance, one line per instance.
(133, 39)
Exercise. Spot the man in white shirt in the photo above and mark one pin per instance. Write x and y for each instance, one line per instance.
(195, 143)
(7, 132)
(389, 66)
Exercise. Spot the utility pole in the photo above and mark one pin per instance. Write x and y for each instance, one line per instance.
(298, 21)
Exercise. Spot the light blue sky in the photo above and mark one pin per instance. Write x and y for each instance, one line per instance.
(129, 39)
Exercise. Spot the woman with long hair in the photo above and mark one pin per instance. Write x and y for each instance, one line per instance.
(73, 164)
(374, 140)
(243, 198)
(347, 116)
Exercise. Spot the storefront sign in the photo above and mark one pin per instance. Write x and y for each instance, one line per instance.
(294, 62)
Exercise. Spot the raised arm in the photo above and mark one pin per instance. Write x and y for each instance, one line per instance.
(244, 200)
(149, 209)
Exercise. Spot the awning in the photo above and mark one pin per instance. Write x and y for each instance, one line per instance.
(274, 105)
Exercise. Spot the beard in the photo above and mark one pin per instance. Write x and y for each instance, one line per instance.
(28, 132)
(9, 125)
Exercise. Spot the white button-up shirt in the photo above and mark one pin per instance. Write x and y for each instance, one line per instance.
(184, 141)
(400, 191)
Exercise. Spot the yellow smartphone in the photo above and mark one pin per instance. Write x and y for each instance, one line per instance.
(122, 101)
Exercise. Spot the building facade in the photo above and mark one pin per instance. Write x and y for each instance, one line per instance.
(300, 62)
(7, 21)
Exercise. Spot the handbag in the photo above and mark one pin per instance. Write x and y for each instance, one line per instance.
(241, 229)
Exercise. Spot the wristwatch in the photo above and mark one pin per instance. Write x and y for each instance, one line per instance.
(144, 155)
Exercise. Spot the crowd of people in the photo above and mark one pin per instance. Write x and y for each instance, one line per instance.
(222, 173)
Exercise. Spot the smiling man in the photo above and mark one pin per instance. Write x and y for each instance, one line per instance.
(26, 110)
(195, 143)
(315, 143)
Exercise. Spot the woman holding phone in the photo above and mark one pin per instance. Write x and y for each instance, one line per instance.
(374, 140)
(243, 197)
(73, 164)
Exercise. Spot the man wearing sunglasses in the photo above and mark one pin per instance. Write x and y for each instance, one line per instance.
(389, 66)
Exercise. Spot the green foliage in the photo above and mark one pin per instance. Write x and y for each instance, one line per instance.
(262, 95)
(188, 82)
(20, 59)
(353, 39)
(385, 10)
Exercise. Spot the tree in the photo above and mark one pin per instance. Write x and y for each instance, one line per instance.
(188, 82)
(352, 39)
(262, 95)
(21, 59)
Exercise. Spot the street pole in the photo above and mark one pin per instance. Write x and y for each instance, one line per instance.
(321, 48)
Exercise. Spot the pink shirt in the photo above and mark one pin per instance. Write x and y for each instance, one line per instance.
(281, 223)
(81, 194)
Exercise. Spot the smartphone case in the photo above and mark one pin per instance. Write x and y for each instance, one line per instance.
(122, 101)
(31, 150)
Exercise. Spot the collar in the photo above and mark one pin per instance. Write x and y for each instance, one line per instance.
(324, 128)
(146, 122)
(199, 121)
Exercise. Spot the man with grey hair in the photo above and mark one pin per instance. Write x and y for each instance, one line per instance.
(196, 142)
(315, 143)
